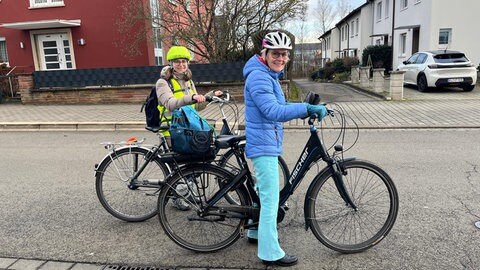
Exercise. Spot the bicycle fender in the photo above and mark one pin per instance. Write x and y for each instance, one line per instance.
(108, 156)
(320, 175)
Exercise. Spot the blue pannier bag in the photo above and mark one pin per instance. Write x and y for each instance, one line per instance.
(190, 133)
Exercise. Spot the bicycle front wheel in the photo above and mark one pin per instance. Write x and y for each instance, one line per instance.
(131, 201)
(342, 228)
(196, 228)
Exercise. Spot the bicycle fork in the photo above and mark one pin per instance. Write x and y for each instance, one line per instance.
(338, 173)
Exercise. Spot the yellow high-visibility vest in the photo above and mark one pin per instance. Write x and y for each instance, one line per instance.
(178, 93)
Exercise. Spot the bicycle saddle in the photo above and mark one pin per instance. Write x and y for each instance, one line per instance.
(227, 141)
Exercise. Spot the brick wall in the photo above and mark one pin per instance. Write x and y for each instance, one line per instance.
(100, 95)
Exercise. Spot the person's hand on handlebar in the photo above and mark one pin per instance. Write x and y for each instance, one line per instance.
(218, 93)
(196, 98)
(320, 110)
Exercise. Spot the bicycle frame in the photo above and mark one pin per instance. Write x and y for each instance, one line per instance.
(162, 147)
(313, 151)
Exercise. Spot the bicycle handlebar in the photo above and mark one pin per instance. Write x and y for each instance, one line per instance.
(314, 116)
(225, 98)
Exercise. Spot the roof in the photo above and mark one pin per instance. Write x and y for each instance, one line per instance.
(351, 14)
(326, 33)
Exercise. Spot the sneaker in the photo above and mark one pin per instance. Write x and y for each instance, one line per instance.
(181, 204)
(287, 260)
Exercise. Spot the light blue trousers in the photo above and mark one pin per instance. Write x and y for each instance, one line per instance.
(266, 172)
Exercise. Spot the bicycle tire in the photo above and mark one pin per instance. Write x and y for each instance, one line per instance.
(338, 226)
(132, 204)
(187, 228)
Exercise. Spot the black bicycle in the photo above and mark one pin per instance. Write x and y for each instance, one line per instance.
(130, 176)
(350, 205)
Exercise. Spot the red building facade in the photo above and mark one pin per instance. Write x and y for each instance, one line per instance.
(67, 34)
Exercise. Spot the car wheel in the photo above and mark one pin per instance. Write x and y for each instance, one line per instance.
(422, 83)
(468, 88)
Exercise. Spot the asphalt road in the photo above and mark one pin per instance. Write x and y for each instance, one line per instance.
(50, 210)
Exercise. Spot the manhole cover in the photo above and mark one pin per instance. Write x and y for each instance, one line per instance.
(124, 267)
(477, 224)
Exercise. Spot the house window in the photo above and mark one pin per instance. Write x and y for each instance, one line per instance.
(445, 36)
(155, 11)
(352, 28)
(358, 26)
(403, 44)
(46, 3)
(379, 11)
(3, 51)
(157, 46)
(403, 4)
(387, 8)
(191, 48)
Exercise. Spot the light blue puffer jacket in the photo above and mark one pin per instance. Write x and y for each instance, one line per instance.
(266, 109)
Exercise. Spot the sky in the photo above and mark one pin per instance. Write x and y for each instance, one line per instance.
(311, 27)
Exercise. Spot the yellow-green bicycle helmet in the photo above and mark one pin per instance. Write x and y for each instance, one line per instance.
(178, 52)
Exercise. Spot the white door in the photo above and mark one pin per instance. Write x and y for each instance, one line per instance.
(54, 52)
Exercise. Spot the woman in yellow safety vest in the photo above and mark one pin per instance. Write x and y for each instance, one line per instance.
(175, 89)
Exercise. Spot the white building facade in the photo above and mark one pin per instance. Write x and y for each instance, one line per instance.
(382, 22)
(423, 25)
(417, 25)
(349, 36)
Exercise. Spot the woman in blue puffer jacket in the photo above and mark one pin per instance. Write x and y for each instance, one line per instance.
(265, 111)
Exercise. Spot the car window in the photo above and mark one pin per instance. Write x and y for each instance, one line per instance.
(421, 58)
(412, 59)
(450, 58)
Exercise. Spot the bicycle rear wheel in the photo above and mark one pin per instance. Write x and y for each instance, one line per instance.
(198, 229)
(132, 202)
(337, 225)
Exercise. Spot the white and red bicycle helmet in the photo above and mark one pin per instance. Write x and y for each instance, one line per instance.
(277, 40)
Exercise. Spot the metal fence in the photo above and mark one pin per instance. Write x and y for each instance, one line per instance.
(223, 72)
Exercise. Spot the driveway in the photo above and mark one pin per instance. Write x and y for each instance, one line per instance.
(410, 92)
(335, 92)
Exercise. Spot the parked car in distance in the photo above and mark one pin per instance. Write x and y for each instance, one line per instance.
(439, 69)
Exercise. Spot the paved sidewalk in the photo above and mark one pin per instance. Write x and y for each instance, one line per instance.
(461, 110)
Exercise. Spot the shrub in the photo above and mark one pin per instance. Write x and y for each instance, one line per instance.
(381, 56)
(338, 65)
(349, 62)
(342, 76)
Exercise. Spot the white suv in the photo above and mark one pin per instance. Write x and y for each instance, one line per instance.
(439, 69)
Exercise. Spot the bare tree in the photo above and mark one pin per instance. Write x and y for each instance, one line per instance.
(325, 14)
(343, 8)
(215, 30)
